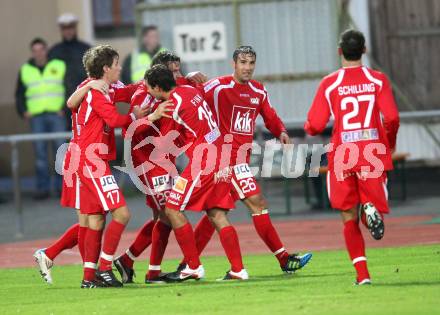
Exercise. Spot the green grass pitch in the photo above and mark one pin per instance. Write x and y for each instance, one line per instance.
(406, 280)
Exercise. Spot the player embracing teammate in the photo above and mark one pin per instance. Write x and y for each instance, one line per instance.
(366, 122)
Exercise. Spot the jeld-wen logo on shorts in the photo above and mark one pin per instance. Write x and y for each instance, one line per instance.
(242, 120)
(108, 183)
(161, 183)
(242, 171)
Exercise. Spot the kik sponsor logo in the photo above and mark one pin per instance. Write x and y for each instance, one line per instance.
(108, 183)
(242, 120)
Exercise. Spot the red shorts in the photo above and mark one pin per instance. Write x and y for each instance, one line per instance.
(70, 192)
(98, 194)
(203, 192)
(355, 189)
(70, 189)
(158, 184)
(244, 184)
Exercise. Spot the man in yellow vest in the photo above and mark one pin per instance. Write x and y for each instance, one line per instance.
(40, 99)
(136, 63)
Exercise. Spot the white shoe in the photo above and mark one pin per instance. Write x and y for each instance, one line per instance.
(44, 264)
(189, 273)
(230, 275)
(364, 282)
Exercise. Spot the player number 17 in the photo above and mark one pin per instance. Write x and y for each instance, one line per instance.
(350, 125)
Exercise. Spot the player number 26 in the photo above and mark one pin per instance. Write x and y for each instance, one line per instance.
(247, 185)
(348, 120)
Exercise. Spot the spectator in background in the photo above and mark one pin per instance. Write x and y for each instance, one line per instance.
(136, 63)
(71, 51)
(40, 99)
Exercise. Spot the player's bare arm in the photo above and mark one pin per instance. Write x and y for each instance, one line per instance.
(76, 98)
(197, 77)
(163, 110)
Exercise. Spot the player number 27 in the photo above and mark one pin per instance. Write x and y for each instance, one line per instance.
(354, 101)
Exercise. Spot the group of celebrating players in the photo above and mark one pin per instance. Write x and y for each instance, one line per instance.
(212, 123)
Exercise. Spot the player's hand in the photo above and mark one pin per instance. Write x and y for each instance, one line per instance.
(163, 110)
(99, 85)
(284, 138)
(196, 77)
(140, 112)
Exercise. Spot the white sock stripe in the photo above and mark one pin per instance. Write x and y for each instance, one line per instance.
(153, 267)
(130, 254)
(264, 211)
(90, 265)
(106, 257)
(282, 249)
(358, 259)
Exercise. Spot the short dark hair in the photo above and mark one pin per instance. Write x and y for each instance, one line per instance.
(38, 40)
(352, 44)
(96, 58)
(147, 29)
(164, 57)
(161, 76)
(246, 50)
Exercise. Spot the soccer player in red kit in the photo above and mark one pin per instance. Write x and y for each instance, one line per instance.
(156, 180)
(74, 235)
(238, 100)
(366, 121)
(99, 193)
(204, 184)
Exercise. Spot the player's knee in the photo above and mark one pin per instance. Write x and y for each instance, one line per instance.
(257, 204)
(96, 222)
(218, 218)
(121, 215)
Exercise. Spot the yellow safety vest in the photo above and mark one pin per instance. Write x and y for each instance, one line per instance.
(140, 62)
(45, 90)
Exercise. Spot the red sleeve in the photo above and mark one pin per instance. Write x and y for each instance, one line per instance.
(388, 108)
(319, 113)
(124, 94)
(107, 111)
(271, 119)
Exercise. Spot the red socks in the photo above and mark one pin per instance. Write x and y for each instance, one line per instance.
(142, 241)
(187, 243)
(161, 233)
(81, 241)
(203, 233)
(229, 240)
(92, 247)
(356, 249)
(112, 236)
(68, 240)
(269, 235)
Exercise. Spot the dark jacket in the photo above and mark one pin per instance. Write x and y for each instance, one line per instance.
(71, 52)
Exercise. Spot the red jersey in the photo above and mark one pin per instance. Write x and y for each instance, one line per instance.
(356, 98)
(238, 106)
(143, 99)
(192, 119)
(97, 117)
